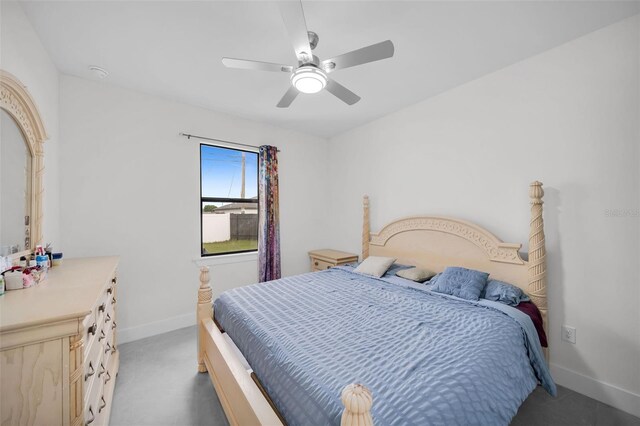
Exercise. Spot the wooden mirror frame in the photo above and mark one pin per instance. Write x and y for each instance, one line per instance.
(16, 100)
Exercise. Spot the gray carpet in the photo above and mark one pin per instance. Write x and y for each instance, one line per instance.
(158, 385)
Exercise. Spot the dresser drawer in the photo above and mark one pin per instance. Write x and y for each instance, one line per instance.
(109, 316)
(109, 319)
(108, 349)
(91, 363)
(93, 322)
(101, 310)
(110, 375)
(93, 385)
(92, 406)
(91, 326)
(107, 390)
(107, 295)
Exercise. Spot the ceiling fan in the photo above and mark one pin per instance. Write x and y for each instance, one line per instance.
(310, 75)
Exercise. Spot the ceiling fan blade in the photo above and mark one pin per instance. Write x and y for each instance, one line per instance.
(293, 17)
(255, 65)
(342, 93)
(288, 97)
(372, 53)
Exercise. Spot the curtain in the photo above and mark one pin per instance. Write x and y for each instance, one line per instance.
(269, 215)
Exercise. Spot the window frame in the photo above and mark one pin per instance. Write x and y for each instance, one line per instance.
(226, 200)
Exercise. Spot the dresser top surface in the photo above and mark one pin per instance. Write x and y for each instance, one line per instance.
(70, 291)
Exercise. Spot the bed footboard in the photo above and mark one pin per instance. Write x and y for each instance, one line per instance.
(241, 399)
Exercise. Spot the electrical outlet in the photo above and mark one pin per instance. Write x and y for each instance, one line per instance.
(569, 334)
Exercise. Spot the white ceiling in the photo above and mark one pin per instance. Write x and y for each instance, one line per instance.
(173, 49)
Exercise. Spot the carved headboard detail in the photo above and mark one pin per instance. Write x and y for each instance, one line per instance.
(496, 250)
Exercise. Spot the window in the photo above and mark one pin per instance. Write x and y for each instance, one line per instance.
(228, 200)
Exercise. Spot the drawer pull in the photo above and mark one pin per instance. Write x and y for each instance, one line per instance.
(104, 404)
(114, 280)
(92, 329)
(107, 319)
(101, 308)
(102, 335)
(113, 300)
(114, 325)
(90, 373)
(108, 378)
(102, 370)
(113, 349)
(110, 290)
(315, 263)
(93, 417)
(108, 348)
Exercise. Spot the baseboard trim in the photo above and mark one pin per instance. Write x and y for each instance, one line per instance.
(131, 334)
(604, 392)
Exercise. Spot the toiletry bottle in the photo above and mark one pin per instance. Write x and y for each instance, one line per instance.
(1, 285)
(42, 261)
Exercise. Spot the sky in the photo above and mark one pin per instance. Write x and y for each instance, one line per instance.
(221, 172)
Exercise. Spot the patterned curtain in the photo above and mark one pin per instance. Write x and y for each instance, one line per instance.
(269, 225)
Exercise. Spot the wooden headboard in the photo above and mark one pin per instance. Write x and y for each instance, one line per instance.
(437, 242)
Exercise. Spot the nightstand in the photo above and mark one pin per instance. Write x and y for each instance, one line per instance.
(325, 259)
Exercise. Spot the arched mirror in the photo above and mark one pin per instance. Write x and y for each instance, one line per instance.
(15, 187)
(21, 165)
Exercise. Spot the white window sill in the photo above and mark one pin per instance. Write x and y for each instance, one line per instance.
(225, 259)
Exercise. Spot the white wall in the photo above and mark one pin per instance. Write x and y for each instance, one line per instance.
(22, 54)
(568, 117)
(122, 159)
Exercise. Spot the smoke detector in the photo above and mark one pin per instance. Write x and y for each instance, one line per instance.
(99, 72)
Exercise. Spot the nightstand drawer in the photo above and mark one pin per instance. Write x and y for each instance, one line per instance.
(319, 265)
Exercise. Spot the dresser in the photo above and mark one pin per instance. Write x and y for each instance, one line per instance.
(58, 346)
(326, 258)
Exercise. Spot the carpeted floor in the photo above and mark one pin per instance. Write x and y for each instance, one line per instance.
(158, 385)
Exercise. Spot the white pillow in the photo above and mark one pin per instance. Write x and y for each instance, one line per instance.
(375, 265)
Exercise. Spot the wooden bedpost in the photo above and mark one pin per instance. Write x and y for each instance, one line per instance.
(537, 286)
(357, 400)
(204, 310)
(365, 227)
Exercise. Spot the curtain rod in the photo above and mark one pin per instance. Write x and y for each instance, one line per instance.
(189, 136)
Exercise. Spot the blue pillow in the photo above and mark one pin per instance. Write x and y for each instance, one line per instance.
(461, 282)
(506, 293)
(434, 279)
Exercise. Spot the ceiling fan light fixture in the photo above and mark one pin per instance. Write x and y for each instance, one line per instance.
(309, 79)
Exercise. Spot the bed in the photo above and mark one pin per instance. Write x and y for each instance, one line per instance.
(317, 348)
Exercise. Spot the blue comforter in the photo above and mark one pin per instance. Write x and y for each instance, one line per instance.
(428, 359)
